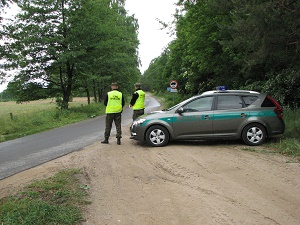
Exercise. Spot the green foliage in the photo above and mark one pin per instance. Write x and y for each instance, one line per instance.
(283, 86)
(197, 54)
(71, 45)
(4, 3)
(292, 120)
(5, 96)
(169, 99)
(111, 47)
(22, 92)
(241, 44)
(289, 144)
(156, 77)
(57, 200)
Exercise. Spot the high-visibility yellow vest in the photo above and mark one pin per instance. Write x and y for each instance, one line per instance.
(114, 103)
(140, 102)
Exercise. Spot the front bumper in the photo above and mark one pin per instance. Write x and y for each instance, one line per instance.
(137, 132)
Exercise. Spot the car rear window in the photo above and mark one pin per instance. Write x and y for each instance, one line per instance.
(268, 103)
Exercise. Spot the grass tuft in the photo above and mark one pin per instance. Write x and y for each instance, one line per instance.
(57, 200)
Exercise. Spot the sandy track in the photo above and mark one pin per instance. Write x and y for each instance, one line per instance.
(183, 183)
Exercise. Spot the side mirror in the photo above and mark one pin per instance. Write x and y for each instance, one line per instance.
(180, 110)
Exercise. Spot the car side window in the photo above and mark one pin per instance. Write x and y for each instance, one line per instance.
(199, 105)
(249, 99)
(229, 102)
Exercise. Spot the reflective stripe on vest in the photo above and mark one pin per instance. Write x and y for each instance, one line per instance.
(140, 102)
(114, 103)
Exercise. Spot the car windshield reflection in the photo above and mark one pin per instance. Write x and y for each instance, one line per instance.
(179, 104)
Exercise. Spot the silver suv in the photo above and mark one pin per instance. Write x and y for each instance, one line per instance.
(220, 114)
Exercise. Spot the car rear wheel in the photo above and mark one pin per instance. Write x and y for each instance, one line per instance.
(254, 134)
(157, 136)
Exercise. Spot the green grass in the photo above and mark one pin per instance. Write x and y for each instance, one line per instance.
(289, 144)
(57, 200)
(37, 116)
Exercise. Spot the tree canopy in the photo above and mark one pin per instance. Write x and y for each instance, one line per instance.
(243, 44)
(83, 45)
(74, 44)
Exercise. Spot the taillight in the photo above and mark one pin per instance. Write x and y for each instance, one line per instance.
(278, 110)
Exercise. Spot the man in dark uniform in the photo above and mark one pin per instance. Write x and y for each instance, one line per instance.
(137, 102)
(114, 102)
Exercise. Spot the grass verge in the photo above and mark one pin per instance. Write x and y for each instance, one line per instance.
(38, 117)
(57, 200)
(289, 143)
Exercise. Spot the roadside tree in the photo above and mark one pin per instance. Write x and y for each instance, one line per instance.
(66, 42)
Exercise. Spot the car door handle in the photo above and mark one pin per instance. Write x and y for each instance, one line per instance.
(207, 117)
(244, 114)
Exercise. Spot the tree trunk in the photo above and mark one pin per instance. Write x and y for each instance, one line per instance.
(87, 93)
(88, 96)
(99, 92)
(94, 90)
(66, 86)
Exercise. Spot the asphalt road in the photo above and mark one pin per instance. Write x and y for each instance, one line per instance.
(27, 152)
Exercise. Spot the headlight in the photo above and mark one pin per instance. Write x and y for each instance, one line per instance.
(138, 122)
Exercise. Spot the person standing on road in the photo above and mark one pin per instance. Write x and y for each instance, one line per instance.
(137, 102)
(114, 102)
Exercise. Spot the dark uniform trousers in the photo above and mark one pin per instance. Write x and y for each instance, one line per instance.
(110, 117)
(137, 113)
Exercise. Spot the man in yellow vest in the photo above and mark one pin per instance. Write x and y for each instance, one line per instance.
(137, 102)
(114, 102)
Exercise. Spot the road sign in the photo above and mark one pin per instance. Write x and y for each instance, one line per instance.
(173, 84)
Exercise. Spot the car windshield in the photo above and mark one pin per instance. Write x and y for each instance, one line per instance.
(181, 103)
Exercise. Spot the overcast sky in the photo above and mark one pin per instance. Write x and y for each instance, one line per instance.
(152, 39)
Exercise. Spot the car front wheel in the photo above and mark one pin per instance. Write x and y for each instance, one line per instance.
(254, 134)
(157, 136)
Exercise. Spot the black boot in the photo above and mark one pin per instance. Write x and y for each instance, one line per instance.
(105, 141)
(118, 141)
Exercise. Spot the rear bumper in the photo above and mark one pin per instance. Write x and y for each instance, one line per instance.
(279, 129)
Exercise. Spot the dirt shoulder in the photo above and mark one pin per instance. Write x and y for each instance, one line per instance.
(182, 183)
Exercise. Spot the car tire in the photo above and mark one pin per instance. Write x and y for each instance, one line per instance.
(254, 134)
(157, 136)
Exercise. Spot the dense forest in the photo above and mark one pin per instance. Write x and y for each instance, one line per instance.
(243, 44)
(77, 47)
